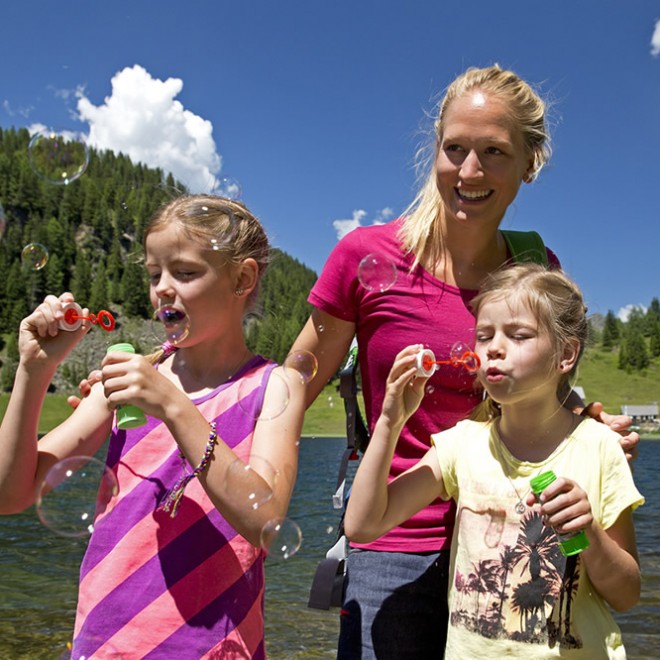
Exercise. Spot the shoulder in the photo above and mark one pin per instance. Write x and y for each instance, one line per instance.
(373, 238)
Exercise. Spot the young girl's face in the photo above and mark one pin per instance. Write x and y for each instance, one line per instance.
(192, 279)
(517, 355)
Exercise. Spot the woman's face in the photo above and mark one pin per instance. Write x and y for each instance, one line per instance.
(481, 159)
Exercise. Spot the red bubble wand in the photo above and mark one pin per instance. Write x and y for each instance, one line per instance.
(73, 318)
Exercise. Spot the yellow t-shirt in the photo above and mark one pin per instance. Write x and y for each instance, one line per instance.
(512, 593)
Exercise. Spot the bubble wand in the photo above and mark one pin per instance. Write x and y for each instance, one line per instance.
(427, 364)
(73, 318)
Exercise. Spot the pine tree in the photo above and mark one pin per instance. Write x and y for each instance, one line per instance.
(611, 332)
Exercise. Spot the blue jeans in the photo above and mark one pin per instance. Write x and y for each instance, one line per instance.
(394, 606)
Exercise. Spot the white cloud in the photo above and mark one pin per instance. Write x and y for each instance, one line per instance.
(23, 111)
(343, 227)
(655, 40)
(143, 120)
(624, 313)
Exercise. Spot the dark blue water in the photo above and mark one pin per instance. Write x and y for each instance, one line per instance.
(38, 572)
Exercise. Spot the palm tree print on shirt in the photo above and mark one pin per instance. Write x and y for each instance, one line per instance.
(525, 594)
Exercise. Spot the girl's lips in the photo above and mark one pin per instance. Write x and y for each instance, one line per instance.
(494, 375)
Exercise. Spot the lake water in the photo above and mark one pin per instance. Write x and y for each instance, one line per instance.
(38, 572)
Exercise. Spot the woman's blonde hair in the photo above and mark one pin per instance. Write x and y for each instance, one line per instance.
(421, 232)
(554, 300)
(224, 226)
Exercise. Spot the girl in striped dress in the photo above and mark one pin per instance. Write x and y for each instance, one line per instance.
(174, 566)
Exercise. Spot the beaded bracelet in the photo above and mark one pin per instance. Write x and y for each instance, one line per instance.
(173, 499)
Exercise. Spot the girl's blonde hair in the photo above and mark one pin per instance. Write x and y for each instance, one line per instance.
(556, 302)
(224, 226)
(421, 232)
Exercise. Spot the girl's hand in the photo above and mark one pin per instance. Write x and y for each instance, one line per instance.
(40, 338)
(564, 506)
(131, 379)
(404, 390)
(85, 388)
(629, 440)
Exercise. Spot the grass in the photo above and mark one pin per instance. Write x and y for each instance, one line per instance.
(598, 375)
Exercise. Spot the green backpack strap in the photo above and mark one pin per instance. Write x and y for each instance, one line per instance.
(526, 246)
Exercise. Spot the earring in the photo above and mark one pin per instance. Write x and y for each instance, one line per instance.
(239, 291)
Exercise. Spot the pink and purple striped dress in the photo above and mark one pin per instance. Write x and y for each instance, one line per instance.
(152, 586)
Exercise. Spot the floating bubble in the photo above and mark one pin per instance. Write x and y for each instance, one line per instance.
(376, 273)
(58, 158)
(227, 187)
(250, 485)
(74, 492)
(303, 363)
(34, 256)
(170, 324)
(274, 403)
(281, 538)
(461, 353)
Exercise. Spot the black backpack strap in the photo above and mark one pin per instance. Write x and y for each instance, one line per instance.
(526, 246)
(357, 436)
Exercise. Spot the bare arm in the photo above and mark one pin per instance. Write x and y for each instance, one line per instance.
(24, 462)
(328, 338)
(374, 506)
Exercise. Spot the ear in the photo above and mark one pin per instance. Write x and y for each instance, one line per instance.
(247, 277)
(528, 176)
(569, 356)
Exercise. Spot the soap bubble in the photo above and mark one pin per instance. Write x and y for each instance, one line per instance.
(281, 538)
(227, 187)
(377, 273)
(462, 354)
(58, 158)
(170, 324)
(250, 485)
(273, 406)
(303, 363)
(34, 256)
(75, 490)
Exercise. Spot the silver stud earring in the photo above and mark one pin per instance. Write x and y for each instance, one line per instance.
(239, 291)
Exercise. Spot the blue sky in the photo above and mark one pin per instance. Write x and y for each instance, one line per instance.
(317, 108)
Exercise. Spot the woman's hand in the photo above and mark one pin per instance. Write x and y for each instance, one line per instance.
(620, 423)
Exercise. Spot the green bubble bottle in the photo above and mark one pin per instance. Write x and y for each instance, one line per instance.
(569, 544)
(128, 417)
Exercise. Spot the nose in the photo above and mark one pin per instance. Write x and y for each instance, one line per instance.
(495, 348)
(164, 289)
(471, 166)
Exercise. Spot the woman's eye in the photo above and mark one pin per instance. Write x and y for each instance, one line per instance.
(452, 147)
(482, 338)
(494, 151)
